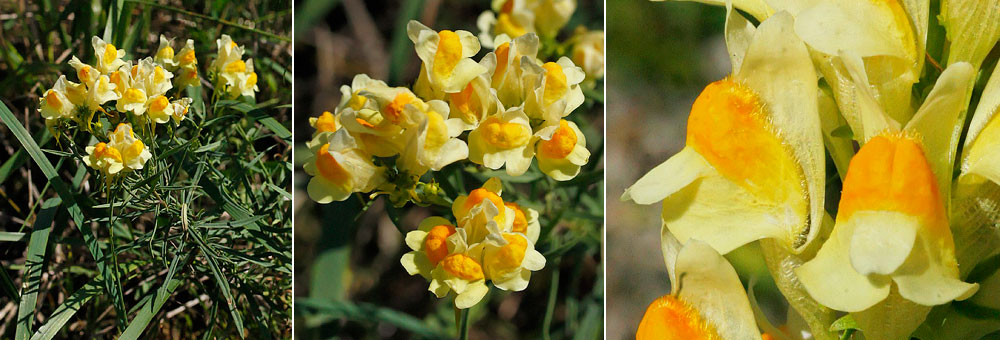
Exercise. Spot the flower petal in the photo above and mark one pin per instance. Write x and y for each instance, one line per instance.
(668, 178)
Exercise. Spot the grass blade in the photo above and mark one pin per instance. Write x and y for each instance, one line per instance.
(34, 263)
(367, 312)
(150, 306)
(64, 312)
(401, 49)
(9, 288)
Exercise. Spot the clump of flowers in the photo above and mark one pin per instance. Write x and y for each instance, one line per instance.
(914, 226)
(134, 96)
(503, 112)
(492, 240)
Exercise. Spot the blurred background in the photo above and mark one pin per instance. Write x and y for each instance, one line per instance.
(348, 279)
(660, 56)
(37, 39)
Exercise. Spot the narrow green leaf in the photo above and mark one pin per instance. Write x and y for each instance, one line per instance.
(150, 306)
(10, 236)
(64, 312)
(367, 313)
(31, 281)
(8, 286)
(400, 48)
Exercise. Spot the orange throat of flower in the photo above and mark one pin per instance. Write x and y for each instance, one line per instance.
(669, 318)
(729, 128)
(891, 173)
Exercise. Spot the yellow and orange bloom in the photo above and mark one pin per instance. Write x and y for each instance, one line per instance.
(429, 245)
(340, 168)
(104, 158)
(109, 58)
(525, 221)
(326, 122)
(738, 180)
(459, 272)
(503, 140)
(446, 56)
(508, 259)
(507, 76)
(588, 52)
(557, 91)
(179, 109)
(434, 143)
(561, 150)
(474, 103)
(55, 103)
(134, 153)
(891, 228)
(513, 18)
(707, 300)
(165, 53)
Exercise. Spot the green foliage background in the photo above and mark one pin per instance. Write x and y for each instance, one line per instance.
(348, 279)
(196, 245)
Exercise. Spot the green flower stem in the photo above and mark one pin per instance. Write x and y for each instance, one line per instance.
(463, 325)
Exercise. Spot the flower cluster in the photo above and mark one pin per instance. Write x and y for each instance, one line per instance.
(142, 93)
(232, 74)
(501, 112)
(493, 240)
(753, 167)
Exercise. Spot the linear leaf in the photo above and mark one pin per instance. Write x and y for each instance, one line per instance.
(64, 312)
(34, 262)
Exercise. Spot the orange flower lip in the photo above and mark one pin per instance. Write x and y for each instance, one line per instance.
(729, 128)
(669, 318)
(890, 172)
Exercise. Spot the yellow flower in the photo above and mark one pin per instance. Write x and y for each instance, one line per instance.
(446, 56)
(160, 109)
(552, 15)
(326, 122)
(474, 103)
(101, 92)
(738, 180)
(513, 18)
(109, 58)
(351, 97)
(245, 83)
(490, 191)
(179, 109)
(340, 168)
(891, 227)
(186, 57)
(504, 138)
(459, 272)
(588, 53)
(104, 158)
(186, 76)
(86, 74)
(561, 150)
(525, 221)
(380, 122)
(707, 300)
(556, 92)
(429, 244)
(230, 58)
(154, 78)
(509, 259)
(134, 153)
(507, 76)
(55, 103)
(165, 53)
(434, 143)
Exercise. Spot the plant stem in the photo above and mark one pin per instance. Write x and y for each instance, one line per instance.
(551, 307)
(463, 326)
